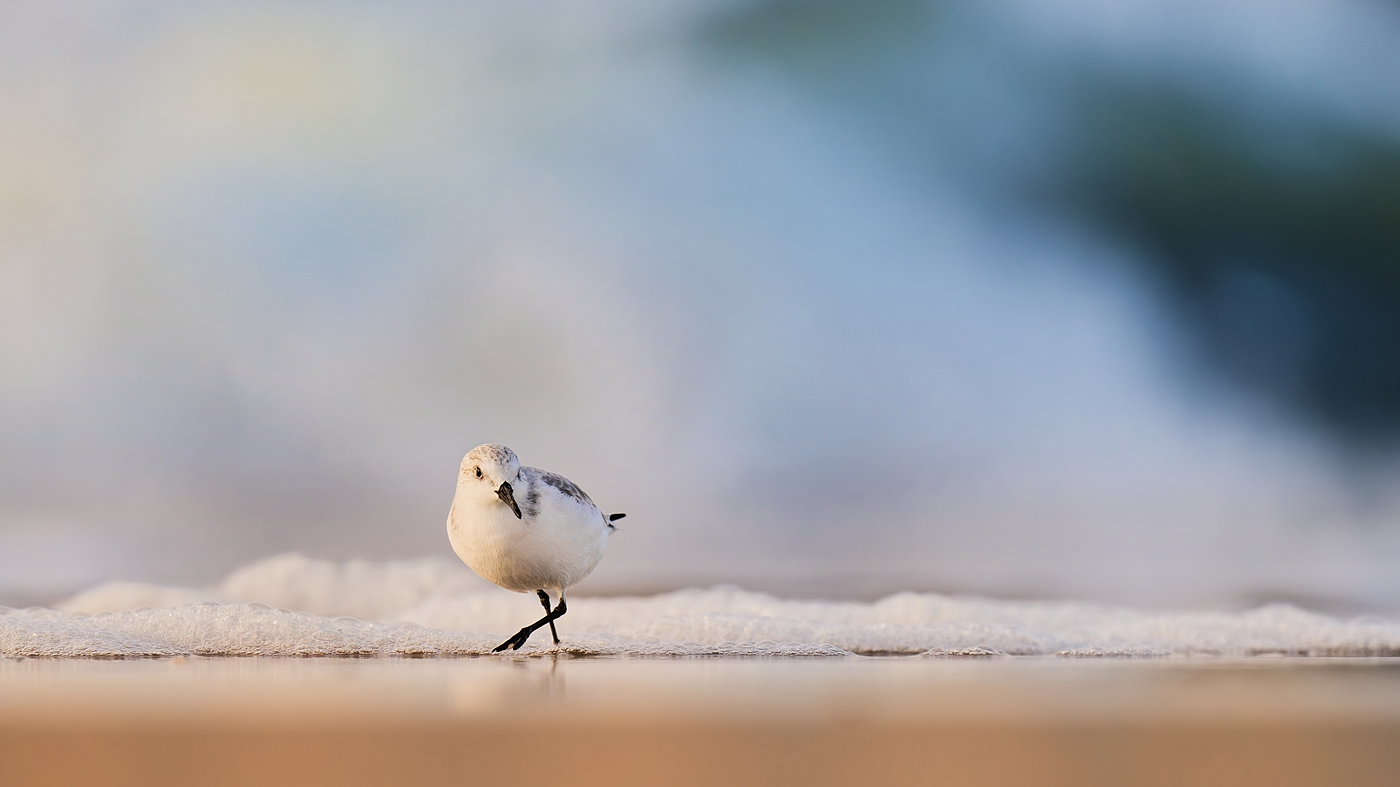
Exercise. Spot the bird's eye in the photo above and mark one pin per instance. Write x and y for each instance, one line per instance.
(478, 472)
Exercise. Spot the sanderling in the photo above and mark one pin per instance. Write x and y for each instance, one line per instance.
(525, 530)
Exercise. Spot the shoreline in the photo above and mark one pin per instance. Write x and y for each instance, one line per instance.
(613, 721)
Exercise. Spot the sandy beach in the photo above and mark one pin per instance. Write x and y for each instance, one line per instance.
(700, 721)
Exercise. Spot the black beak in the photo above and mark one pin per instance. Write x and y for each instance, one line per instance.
(507, 496)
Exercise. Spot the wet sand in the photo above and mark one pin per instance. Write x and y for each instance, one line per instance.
(1039, 721)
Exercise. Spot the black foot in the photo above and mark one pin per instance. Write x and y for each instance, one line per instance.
(522, 636)
(516, 642)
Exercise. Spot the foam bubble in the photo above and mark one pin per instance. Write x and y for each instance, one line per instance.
(294, 606)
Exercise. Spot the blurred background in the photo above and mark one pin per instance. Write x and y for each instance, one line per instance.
(1091, 299)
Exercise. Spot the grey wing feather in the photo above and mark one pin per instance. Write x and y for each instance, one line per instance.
(565, 486)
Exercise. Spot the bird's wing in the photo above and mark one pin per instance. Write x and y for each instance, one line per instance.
(564, 491)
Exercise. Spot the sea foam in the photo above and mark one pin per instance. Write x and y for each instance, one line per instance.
(290, 605)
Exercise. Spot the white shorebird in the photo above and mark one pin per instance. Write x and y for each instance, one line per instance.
(525, 530)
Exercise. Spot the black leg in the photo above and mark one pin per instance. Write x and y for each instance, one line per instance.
(544, 599)
(522, 636)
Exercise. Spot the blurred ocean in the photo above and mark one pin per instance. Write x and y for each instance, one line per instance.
(1093, 300)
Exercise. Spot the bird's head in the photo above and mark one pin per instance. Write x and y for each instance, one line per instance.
(489, 472)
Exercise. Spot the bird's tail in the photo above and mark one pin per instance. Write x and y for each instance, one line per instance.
(613, 518)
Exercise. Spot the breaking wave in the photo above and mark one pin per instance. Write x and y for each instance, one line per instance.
(290, 605)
